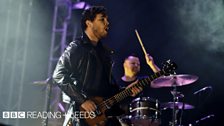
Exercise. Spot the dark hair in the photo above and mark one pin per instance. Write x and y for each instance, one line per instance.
(91, 13)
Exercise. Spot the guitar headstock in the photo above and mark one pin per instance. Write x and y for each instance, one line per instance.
(169, 67)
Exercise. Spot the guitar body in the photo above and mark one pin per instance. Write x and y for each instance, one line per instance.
(99, 120)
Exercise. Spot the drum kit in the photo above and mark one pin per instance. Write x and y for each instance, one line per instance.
(145, 111)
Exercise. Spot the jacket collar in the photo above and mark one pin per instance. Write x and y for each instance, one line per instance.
(85, 38)
(87, 41)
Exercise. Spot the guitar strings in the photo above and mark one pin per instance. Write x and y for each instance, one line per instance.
(124, 93)
(127, 92)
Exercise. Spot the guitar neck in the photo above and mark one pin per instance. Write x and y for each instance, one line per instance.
(127, 92)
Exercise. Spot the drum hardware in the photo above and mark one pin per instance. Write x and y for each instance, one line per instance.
(178, 105)
(125, 120)
(205, 118)
(209, 88)
(177, 94)
(174, 81)
(142, 108)
(175, 110)
(197, 122)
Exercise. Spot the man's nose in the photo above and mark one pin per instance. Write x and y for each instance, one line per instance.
(107, 22)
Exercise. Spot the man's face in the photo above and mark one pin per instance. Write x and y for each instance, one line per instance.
(132, 64)
(100, 26)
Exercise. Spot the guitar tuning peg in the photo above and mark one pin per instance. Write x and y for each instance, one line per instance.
(168, 61)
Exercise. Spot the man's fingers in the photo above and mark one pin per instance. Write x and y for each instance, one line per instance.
(89, 106)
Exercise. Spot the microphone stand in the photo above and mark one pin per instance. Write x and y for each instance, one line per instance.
(48, 99)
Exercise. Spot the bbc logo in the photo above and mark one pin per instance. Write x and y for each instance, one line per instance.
(13, 115)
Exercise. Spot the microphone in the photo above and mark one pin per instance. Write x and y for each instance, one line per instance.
(203, 89)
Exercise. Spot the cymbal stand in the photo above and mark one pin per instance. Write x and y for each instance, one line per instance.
(176, 96)
(175, 110)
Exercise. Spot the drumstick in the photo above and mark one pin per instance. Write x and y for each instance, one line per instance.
(140, 41)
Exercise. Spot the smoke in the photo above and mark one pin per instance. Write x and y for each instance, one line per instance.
(202, 23)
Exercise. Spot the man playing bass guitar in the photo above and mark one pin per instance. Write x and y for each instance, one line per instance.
(84, 69)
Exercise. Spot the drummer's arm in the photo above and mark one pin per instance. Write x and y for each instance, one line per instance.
(151, 63)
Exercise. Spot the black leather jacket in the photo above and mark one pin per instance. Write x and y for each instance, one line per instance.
(76, 72)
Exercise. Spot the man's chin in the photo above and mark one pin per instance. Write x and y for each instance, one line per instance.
(135, 73)
(104, 36)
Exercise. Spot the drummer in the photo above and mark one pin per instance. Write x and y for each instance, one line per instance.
(131, 67)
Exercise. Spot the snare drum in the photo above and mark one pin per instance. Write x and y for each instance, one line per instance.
(145, 111)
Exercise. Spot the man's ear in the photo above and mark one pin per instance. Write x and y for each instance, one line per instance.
(88, 23)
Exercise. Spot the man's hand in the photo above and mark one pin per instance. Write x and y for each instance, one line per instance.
(150, 62)
(149, 59)
(89, 106)
(134, 90)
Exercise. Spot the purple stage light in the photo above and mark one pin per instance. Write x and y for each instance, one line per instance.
(81, 5)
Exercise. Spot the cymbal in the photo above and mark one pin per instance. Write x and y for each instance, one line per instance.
(173, 80)
(177, 105)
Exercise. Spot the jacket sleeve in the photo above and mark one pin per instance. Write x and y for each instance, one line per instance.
(67, 64)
